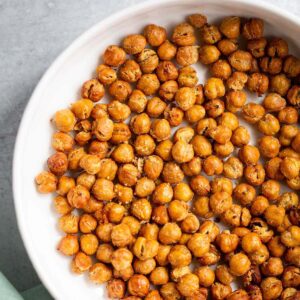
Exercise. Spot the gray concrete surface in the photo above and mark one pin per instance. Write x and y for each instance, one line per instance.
(32, 34)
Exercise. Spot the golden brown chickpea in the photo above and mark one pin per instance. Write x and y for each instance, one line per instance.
(271, 288)
(187, 55)
(133, 224)
(144, 267)
(223, 150)
(291, 237)
(214, 108)
(227, 242)
(249, 154)
(238, 295)
(107, 75)
(155, 34)
(271, 65)
(179, 256)
(289, 293)
(69, 223)
(239, 264)
(220, 291)
(240, 60)
(291, 66)
(229, 120)
(144, 145)
(293, 95)
(290, 167)
(206, 276)
(121, 235)
(195, 113)
(221, 184)
(103, 129)
(212, 165)
(274, 215)
(104, 253)
(202, 146)
(169, 291)
(137, 101)
(221, 69)
(201, 207)
(140, 124)
(271, 189)
(149, 231)
(89, 243)
(236, 216)
(278, 47)
(108, 169)
(144, 249)
(188, 284)
(227, 46)
(174, 115)
(255, 175)
(46, 182)
(214, 88)
(291, 276)
(292, 256)
(182, 152)
(118, 111)
(210, 34)
(61, 205)
(272, 267)
(160, 215)
(288, 200)
(209, 228)
(183, 35)
(253, 29)
(190, 224)
(257, 47)
(86, 180)
(62, 142)
(103, 189)
(99, 148)
(172, 173)
(187, 76)
(251, 242)
(100, 273)
(269, 146)
(148, 60)
(223, 274)
(230, 27)
(183, 192)
(103, 232)
(177, 210)
(116, 289)
(208, 54)
(280, 84)
(167, 50)
(160, 129)
(141, 209)
(296, 143)
(258, 83)
(82, 108)
(272, 168)
(120, 90)
(64, 120)
(115, 212)
(199, 244)
(204, 126)
(138, 285)
(237, 81)
(121, 259)
(170, 233)
(114, 56)
(153, 166)
(177, 273)
(233, 168)
(81, 263)
(69, 245)
(166, 71)
(163, 193)
(274, 102)
(197, 20)
(294, 183)
(244, 193)
(193, 167)
(200, 185)
(221, 134)
(125, 274)
(87, 223)
(259, 205)
(123, 153)
(155, 107)
(185, 98)
(144, 187)
(162, 254)
(78, 196)
(148, 84)
(93, 90)
(128, 174)
(134, 43)
(288, 115)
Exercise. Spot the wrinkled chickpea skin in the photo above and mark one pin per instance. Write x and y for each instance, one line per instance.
(134, 195)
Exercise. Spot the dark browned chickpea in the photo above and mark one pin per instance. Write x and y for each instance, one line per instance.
(130, 71)
(114, 56)
(240, 60)
(183, 35)
(148, 84)
(227, 46)
(278, 47)
(257, 47)
(230, 27)
(166, 50)
(155, 107)
(233, 168)
(271, 65)
(197, 20)
(253, 29)
(172, 173)
(107, 75)
(144, 145)
(58, 163)
(138, 285)
(271, 288)
(174, 115)
(240, 136)
(258, 83)
(280, 84)
(214, 108)
(237, 81)
(221, 69)
(208, 54)
(160, 129)
(291, 276)
(255, 174)
(141, 209)
(155, 34)
(187, 77)
(170, 233)
(291, 66)
(187, 55)
(293, 95)
(220, 291)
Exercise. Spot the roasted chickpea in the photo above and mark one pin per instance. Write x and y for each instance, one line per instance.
(104, 253)
(160, 215)
(174, 115)
(155, 107)
(116, 289)
(271, 65)
(46, 182)
(291, 237)
(182, 152)
(100, 273)
(153, 166)
(233, 168)
(144, 248)
(148, 84)
(138, 285)
(160, 129)
(240, 60)
(288, 115)
(208, 54)
(206, 276)
(193, 167)
(293, 95)
(62, 142)
(253, 29)
(81, 263)
(271, 189)
(188, 284)
(259, 205)
(114, 56)
(179, 256)
(227, 242)
(249, 154)
(237, 81)
(214, 108)
(144, 267)
(125, 274)
(187, 55)
(144, 145)
(210, 34)
(170, 233)
(155, 35)
(201, 207)
(128, 174)
(169, 291)
(187, 76)
(172, 173)
(255, 174)
(163, 193)
(149, 231)
(227, 46)
(220, 291)
(148, 60)
(141, 209)
(69, 245)
(103, 232)
(280, 84)
(167, 50)
(271, 288)
(183, 35)
(199, 244)
(244, 193)
(274, 215)
(134, 43)
(239, 264)
(290, 167)
(197, 20)
(200, 185)
(257, 47)
(177, 210)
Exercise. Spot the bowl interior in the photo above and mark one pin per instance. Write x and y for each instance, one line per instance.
(61, 85)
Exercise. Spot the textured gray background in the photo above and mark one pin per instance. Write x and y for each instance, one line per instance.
(32, 34)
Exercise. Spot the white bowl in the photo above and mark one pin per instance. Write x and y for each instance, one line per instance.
(60, 86)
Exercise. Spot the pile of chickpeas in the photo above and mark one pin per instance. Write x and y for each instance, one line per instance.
(140, 206)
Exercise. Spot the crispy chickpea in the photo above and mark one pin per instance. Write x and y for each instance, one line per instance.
(288, 115)
(271, 288)
(121, 259)
(115, 212)
(204, 126)
(179, 256)
(69, 245)
(251, 242)
(155, 34)
(103, 190)
(237, 81)
(81, 263)
(104, 253)
(69, 223)
(221, 134)
(214, 88)
(183, 192)
(188, 284)
(121, 133)
(133, 224)
(199, 244)
(291, 276)
(197, 20)
(290, 167)
(239, 264)
(206, 276)
(144, 249)
(86, 180)
(120, 90)
(187, 55)
(223, 274)
(223, 150)
(169, 291)
(291, 66)
(272, 168)
(144, 187)
(160, 129)
(177, 210)
(229, 120)
(121, 235)
(259, 256)
(61, 205)
(100, 273)
(144, 145)
(141, 209)
(272, 267)
(221, 69)
(244, 193)
(271, 189)
(202, 146)
(162, 254)
(201, 207)
(221, 184)
(208, 54)
(167, 50)
(277, 47)
(187, 76)
(163, 193)
(249, 154)
(195, 113)
(89, 243)
(200, 185)
(257, 47)
(160, 215)
(46, 182)
(259, 205)
(291, 237)
(280, 84)
(182, 152)
(62, 142)
(240, 60)
(78, 196)
(172, 173)
(138, 285)
(137, 101)
(220, 291)
(293, 95)
(253, 29)
(288, 200)
(125, 274)
(193, 167)
(87, 223)
(166, 71)
(148, 60)
(255, 175)
(227, 241)
(210, 34)
(212, 165)
(183, 35)
(108, 169)
(103, 232)
(107, 75)
(144, 267)
(271, 65)
(116, 289)
(114, 56)
(128, 174)
(214, 108)
(174, 115)
(258, 83)
(153, 166)
(64, 120)
(269, 146)
(185, 98)
(227, 46)
(155, 107)
(148, 84)
(140, 124)
(134, 43)
(103, 129)
(274, 215)
(230, 27)
(233, 168)
(170, 233)
(149, 231)
(93, 90)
